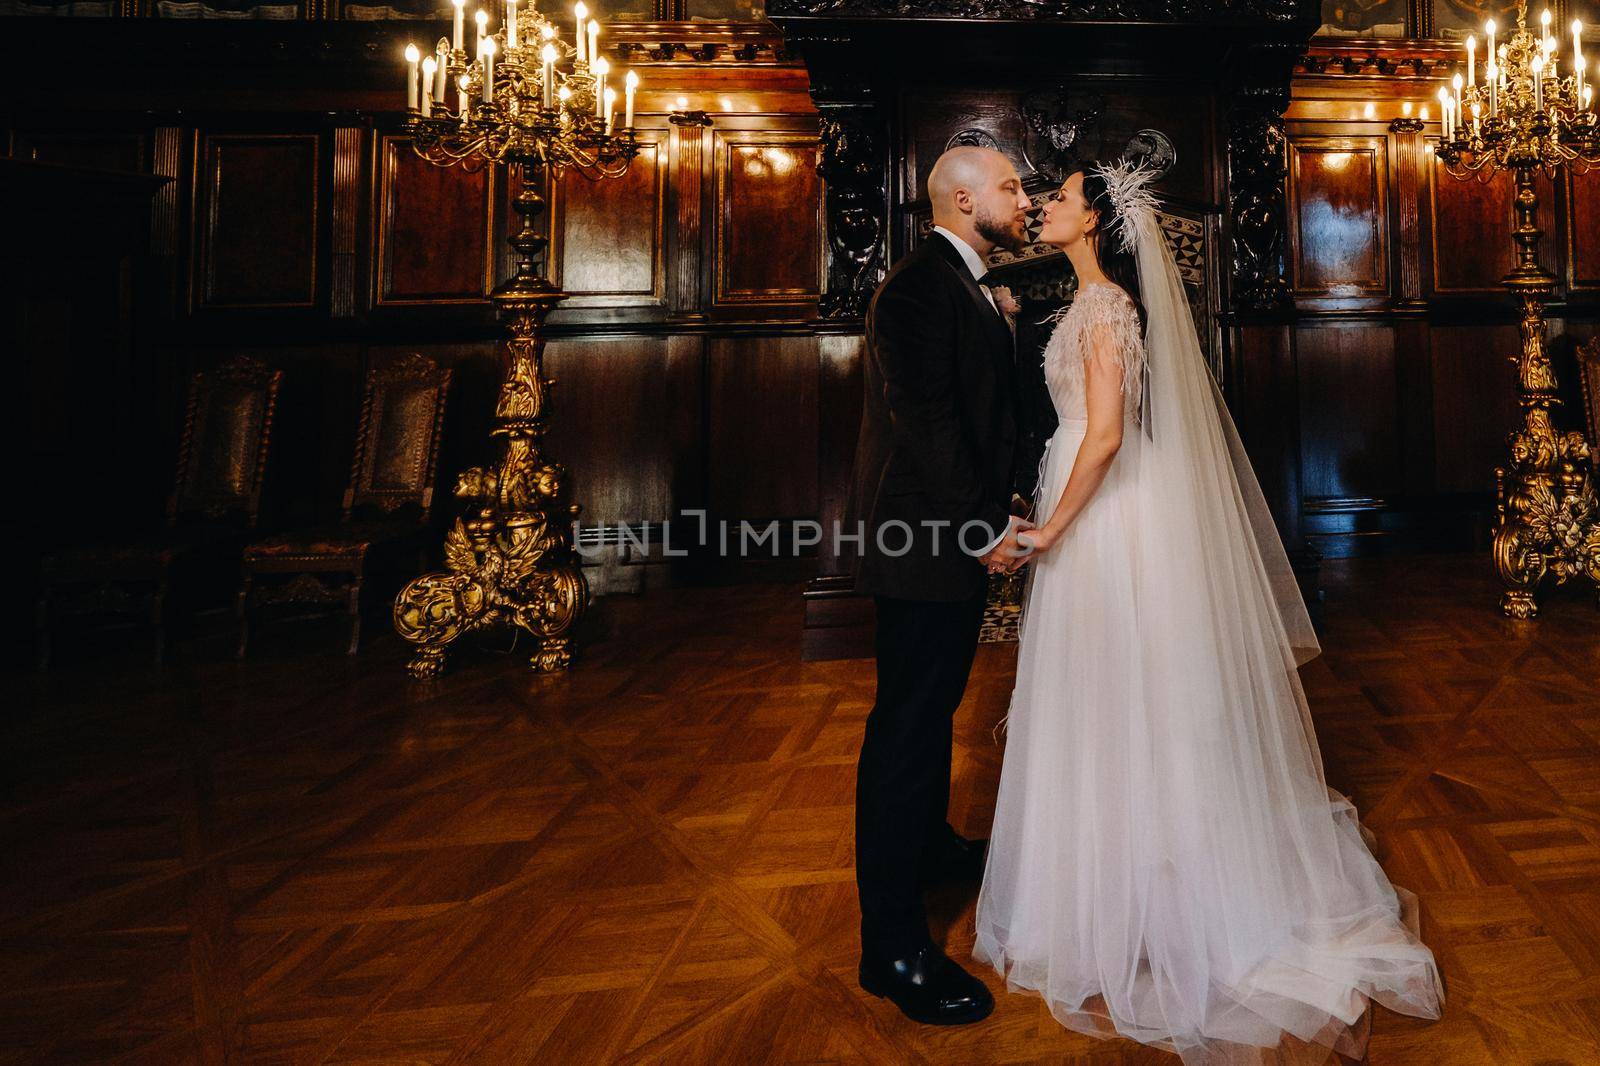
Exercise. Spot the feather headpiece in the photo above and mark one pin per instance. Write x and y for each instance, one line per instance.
(1128, 184)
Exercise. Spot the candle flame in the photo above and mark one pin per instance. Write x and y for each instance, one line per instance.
(602, 67)
(549, 53)
(1405, 109)
(488, 46)
(1456, 81)
(483, 19)
(632, 80)
(1544, 19)
(564, 93)
(412, 55)
(581, 12)
(1488, 27)
(429, 66)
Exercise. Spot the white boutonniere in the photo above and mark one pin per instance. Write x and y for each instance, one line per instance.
(1007, 304)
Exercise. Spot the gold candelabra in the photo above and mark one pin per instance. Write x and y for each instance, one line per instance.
(1526, 117)
(540, 105)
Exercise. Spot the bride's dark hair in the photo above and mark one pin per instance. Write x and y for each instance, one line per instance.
(1118, 263)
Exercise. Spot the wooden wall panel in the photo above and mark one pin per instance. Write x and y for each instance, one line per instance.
(1339, 217)
(96, 150)
(625, 416)
(1583, 230)
(767, 247)
(1475, 403)
(433, 230)
(762, 402)
(615, 232)
(258, 220)
(1348, 414)
(1470, 227)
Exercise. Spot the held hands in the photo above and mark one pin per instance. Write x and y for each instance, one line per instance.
(1010, 553)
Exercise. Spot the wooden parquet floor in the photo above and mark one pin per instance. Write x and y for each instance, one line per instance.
(300, 859)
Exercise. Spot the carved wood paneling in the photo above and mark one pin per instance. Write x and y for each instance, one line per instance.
(93, 149)
(1469, 231)
(610, 236)
(624, 418)
(1475, 403)
(766, 250)
(687, 193)
(349, 149)
(1583, 231)
(433, 230)
(762, 402)
(257, 220)
(1349, 414)
(1339, 214)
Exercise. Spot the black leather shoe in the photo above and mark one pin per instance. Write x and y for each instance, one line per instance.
(954, 858)
(929, 988)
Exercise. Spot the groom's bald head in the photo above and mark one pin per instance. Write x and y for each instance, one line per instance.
(976, 194)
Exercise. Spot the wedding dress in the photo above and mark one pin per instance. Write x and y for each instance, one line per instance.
(1167, 862)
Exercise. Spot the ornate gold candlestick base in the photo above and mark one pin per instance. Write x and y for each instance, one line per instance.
(1548, 518)
(512, 562)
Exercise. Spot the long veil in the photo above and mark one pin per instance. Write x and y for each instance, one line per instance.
(1194, 473)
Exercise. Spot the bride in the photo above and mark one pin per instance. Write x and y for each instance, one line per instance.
(1167, 862)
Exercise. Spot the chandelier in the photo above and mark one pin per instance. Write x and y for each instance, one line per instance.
(1531, 114)
(542, 106)
(527, 97)
(1527, 111)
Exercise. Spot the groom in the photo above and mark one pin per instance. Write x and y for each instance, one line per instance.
(933, 480)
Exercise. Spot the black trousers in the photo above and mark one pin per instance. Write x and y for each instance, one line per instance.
(924, 653)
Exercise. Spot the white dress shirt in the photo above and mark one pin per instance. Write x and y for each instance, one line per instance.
(969, 255)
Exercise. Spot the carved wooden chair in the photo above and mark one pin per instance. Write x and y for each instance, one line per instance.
(386, 507)
(1589, 377)
(216, 500)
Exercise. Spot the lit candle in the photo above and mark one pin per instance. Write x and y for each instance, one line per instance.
(1476, 128)
(611, 110)
(548, 56)
(442, 73)
(1536, 66)
(1488, 28)
(601, 68)
(1578, 63)
(1472, 60)
(460, 31)
(631, 86)
(1444, 114)
(429, 67)
(412, 56)
(487, 50)
(482, 18)
(1493, 74)
(1455, 83)
(594, 41)
(1544, 22)
(511, 24)
(548, 31)
(580, 14)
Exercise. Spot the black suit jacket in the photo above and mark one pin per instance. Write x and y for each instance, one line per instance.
(938, 430)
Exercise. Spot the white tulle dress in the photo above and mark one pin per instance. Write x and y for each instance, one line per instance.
(1167, 862)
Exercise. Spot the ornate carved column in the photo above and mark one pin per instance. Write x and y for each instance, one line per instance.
(854, 166)
(1257, 170)
(1260, 305)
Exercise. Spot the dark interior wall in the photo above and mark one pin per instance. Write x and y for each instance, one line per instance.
(1403, 339)
(296, 225)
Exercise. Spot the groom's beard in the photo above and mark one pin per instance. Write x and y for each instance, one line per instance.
(1012, 236)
